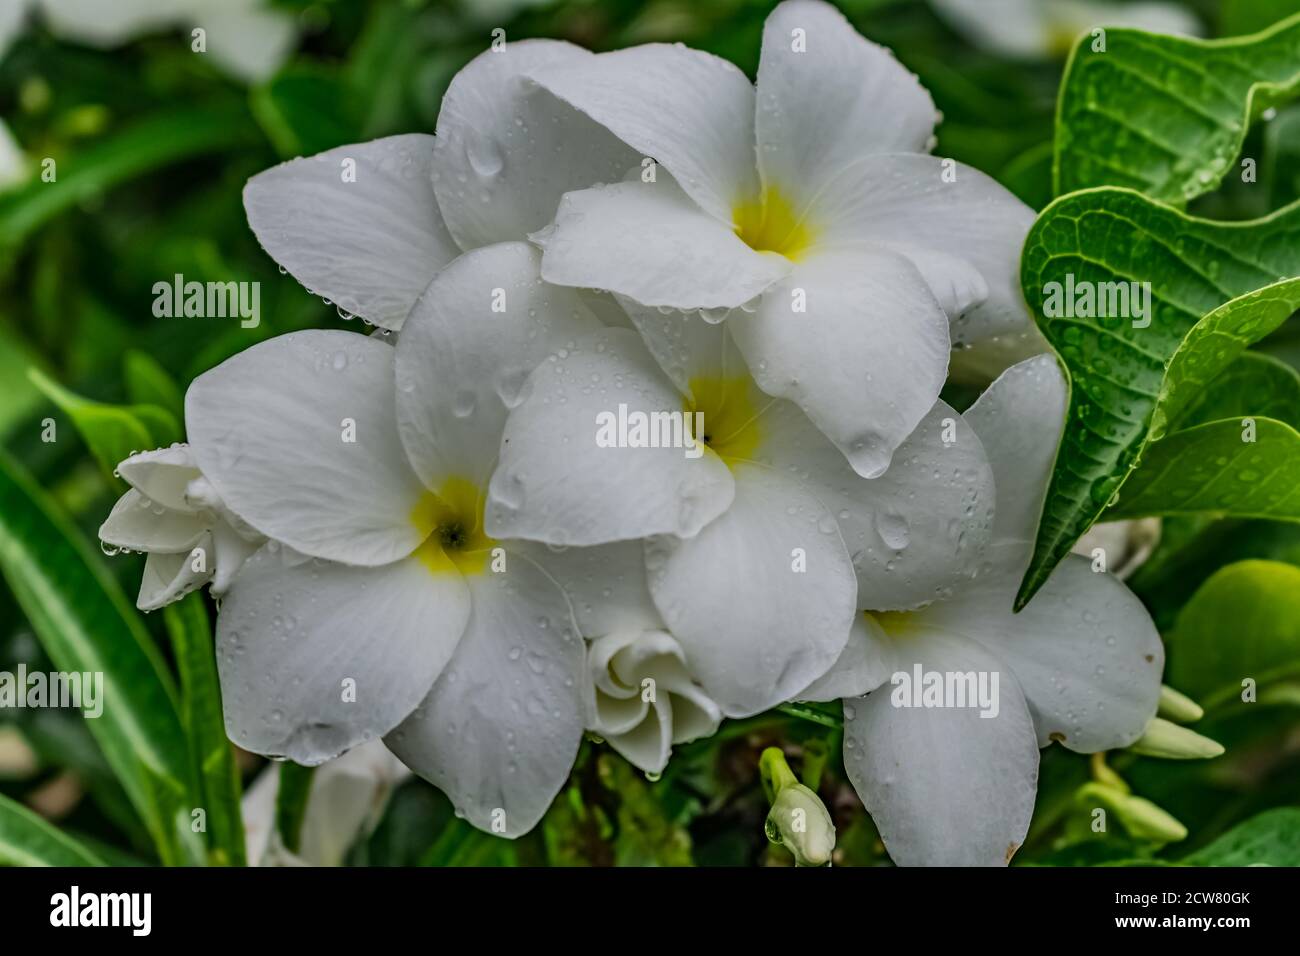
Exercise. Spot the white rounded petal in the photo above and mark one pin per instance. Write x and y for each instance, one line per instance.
(358, 225)
(465, 354)
(507, 150)
(959, 227)
(1019, 420)
(162, 475)
(1084, 650)
(757, 630)
(231, 547)
(686, 345)
(248, 41)
(827, 96)
(499, 731)
(606, 585)
(874, 365)
(689, 111)
(944, 785)
(561, 481)
(169, 577)
(269, 429)
(95, 23)
(139, 524)
(863, 665)
(650, 243)
(317, 657)
(915, 532)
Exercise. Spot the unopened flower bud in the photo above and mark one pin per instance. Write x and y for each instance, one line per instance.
(800, 822)
(1177, 707)
(1168, 740)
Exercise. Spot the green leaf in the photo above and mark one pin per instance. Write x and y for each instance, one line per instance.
(148, 383)
(1244, 622)
(1254, 385)
(291, 802)
(112, 432)
(1211, 469)
(27, 840)
(85, 624)
(1215, 288)
(148, 145)
(305, 110)
(1272, 838)
(1167, 115)
(463, 844)
(201, 716)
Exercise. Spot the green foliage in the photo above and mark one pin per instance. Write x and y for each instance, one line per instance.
(27, 840)
(1270, 839)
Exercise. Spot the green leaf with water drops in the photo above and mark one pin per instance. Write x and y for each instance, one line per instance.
(85, 624)
(28, 840)
(1214, 289)
(1244, 622)
(1270, 839)
(1167, 115)
(1218, 468)
(112, 432)
(1255, 385)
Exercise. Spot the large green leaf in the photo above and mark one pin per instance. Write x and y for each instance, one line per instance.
(27, 840)
(1210, 469)
(201, 715)
(1272, 838)
(85, 625)
(1244, 622)
(1215, 288)
(113, 432)
(1254, 385)
(1167, 115)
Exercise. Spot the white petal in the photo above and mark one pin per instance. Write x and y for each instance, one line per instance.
(138, 524)
(499, 731)
(231, 547)
(162, 475)
(267, 428)
(95, 23)
(689, 111)
(606, 585)
(826, 97)
(916, 531)
(756, 630)
(358, 225)
(649, 242)
(862, 667)
(506, 150)
(169, 577)
(959, 227)
(874, 365)
(317, 657)
(1019, 420)
(466, 352)
(945, 786)
(556, 484)
(687, 345)
(1084, 650)
(249, 43)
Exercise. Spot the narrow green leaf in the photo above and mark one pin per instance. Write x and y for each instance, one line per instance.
(291, 802)
(201, 715)
(1215, 288)
(148, 383)
(305, 110)
(1244, 622)
(1167, 115)
(85, 625)
(1210, 468)
(27, 840)
(112, 432)
(1272, 838)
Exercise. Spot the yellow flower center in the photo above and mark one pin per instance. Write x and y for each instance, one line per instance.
(897, 624)
(730, 416)
(768, 223)
(452, 522)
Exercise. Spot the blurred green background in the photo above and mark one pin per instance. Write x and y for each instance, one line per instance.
(153, 143)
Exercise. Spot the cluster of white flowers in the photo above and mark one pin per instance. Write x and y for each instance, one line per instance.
(449, 559)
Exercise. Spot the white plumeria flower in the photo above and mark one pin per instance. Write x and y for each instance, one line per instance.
(1049, 28)
(173, 514)
(1080, 665)
(806, 211)
(347, 799)
(367, 225)
(762, 542)
(247, 38)
(381, 607)
(644, 699)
